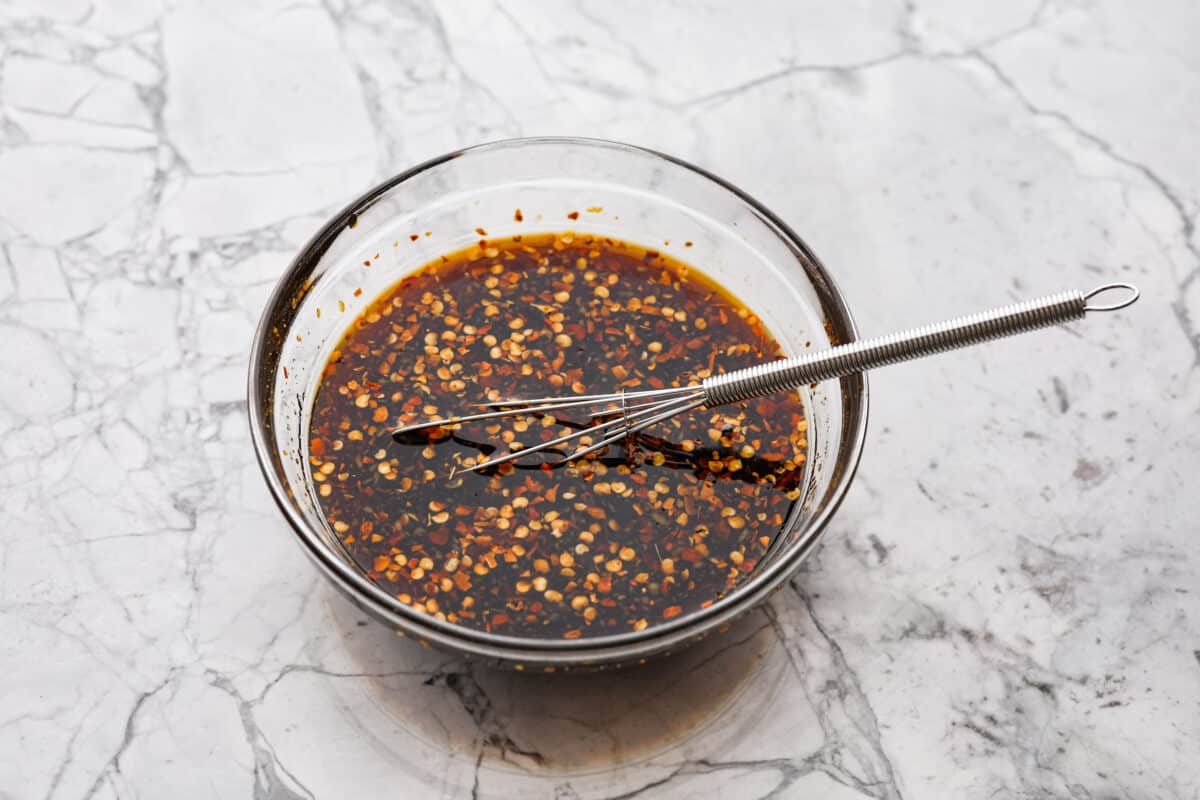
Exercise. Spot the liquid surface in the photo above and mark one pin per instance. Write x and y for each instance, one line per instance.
(641, 533)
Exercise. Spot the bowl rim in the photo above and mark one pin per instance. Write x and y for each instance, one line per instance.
(612, 647)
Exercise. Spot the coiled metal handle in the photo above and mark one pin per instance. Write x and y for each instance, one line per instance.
(848, 359)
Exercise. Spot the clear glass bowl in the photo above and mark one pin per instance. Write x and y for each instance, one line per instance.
(646, 198)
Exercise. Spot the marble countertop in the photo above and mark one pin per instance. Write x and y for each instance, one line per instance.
(1008, 604)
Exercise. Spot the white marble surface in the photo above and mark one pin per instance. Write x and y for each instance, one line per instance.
(1008, 604)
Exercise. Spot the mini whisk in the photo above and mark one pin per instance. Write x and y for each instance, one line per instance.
(615, 416)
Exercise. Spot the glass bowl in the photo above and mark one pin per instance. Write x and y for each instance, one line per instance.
(633, 194)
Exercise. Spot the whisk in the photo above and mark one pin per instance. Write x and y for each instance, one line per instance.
(612, 417)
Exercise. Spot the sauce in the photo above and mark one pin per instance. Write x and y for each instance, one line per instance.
(648, 530)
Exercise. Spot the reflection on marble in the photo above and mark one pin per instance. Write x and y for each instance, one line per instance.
(1007, 604)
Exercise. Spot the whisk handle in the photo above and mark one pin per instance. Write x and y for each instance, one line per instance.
(865, 354)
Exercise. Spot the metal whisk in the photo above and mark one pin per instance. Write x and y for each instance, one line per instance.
(615, 416)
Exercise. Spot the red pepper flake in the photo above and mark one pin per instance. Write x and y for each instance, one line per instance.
(412, 237)
(573, 215)
(285, 373)
(358, 292)
(573, 634)
(672, 611)
(518, 216)
(481, 231)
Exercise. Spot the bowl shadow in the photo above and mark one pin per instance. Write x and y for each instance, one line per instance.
(552, 723)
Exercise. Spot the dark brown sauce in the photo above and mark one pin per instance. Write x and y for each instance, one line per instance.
(652, 529)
